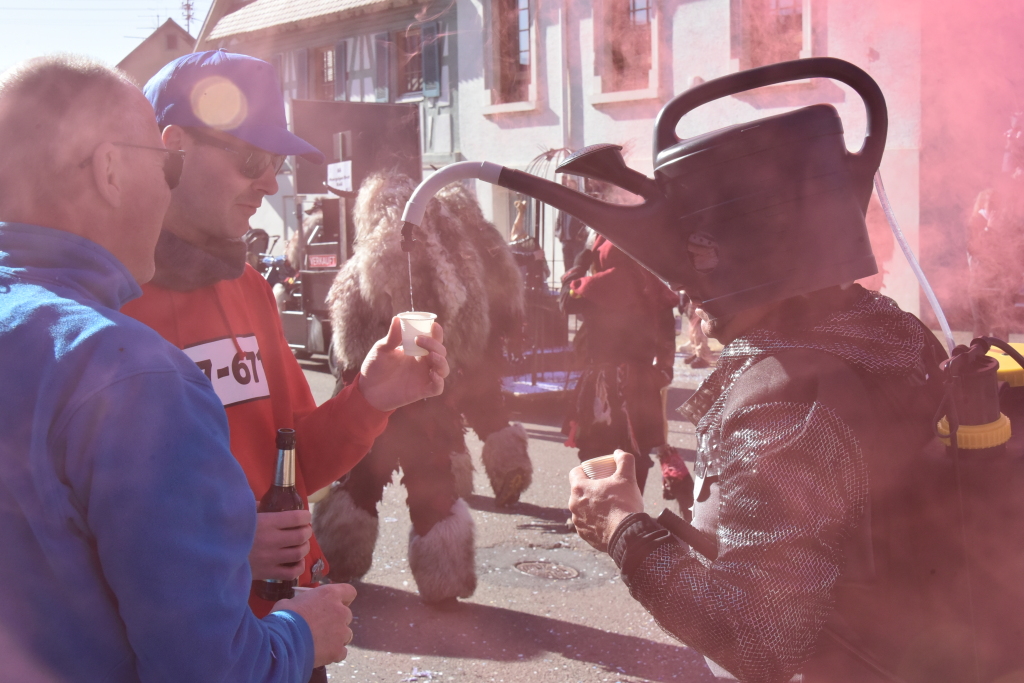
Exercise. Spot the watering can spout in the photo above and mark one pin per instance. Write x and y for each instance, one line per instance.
(640, 230)
(637, 229)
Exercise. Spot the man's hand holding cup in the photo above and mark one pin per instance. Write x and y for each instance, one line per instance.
(391, 378)
(599, 505)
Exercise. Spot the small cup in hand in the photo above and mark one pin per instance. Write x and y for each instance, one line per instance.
(600, 467)
(415, 323)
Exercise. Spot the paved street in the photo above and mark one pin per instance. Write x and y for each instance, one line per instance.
(517, 626)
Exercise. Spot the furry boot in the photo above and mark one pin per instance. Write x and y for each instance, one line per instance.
(507, 463)
(443, 561)
(346, 533)
(462, 470)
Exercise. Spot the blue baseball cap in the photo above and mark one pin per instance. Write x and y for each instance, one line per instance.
(234, 93)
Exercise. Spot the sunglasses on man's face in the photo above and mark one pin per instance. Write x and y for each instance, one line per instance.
(173, 162)
(252, 162)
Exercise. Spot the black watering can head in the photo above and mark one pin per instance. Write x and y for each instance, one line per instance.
(753, 213)
(740, 217)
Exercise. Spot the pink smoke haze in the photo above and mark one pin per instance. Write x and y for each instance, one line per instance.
(972, 82)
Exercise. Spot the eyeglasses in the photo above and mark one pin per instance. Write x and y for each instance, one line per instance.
(173, 162)
(252, 163)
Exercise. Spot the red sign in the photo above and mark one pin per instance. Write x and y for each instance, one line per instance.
(323, 261)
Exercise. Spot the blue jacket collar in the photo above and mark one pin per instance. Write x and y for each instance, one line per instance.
(49, 256)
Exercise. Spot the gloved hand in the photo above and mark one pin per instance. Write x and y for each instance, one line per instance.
(567, 301)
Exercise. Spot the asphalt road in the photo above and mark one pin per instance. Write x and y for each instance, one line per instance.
(517, 626)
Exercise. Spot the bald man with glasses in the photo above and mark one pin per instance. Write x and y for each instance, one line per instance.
(125, 522)
(226, 112)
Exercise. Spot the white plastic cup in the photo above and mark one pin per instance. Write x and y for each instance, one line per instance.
(415, 323)
(599, 467)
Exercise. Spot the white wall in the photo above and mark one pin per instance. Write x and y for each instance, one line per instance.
(276, 214)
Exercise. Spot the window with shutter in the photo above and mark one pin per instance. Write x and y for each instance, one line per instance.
(627, 48)
(771, 31)
(324, 73)
(409, 54)
(512, 24)
(382, 67)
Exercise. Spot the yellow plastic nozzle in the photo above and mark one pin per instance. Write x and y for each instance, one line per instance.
(974, 437)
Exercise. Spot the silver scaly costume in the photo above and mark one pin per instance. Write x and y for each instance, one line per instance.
(789, 435)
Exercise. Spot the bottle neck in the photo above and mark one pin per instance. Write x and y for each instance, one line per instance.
(284, 476)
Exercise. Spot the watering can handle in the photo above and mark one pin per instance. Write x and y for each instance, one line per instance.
(870, 154)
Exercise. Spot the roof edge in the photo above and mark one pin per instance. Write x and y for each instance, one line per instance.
(159, 30)
(218, 10)
(298, 24)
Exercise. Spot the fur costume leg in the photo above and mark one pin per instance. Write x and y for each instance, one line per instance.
(462, 470)
(507, 463)
(347, 534)
(443, 560)
(441, 546)
(505, 456)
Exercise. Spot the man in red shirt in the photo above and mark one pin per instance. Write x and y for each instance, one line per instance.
(226, 112)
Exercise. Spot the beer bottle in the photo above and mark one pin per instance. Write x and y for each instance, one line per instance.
(281, 497)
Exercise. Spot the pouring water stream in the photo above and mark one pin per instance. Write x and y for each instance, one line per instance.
(412, 306)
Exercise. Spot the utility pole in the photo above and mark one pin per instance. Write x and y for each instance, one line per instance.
(186, 7)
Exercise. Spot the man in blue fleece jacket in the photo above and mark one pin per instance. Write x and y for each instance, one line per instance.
(125, 522)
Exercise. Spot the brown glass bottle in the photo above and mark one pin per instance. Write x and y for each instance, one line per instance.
(281, 497)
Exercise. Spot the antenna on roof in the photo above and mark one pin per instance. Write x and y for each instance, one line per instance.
(187, 7)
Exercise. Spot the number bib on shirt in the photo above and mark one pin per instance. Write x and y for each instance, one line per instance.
(236, 377)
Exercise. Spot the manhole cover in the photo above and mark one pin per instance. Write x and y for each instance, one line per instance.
(547, 570)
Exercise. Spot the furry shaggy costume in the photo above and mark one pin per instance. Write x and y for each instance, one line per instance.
(464, 272)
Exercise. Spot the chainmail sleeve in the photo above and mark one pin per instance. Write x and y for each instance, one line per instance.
(793, 484)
